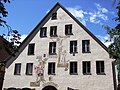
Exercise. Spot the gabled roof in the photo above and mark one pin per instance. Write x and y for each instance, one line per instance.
(59, 5)
(6, 49)
(35, 30)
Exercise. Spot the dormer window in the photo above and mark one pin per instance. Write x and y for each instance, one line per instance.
(54, 16)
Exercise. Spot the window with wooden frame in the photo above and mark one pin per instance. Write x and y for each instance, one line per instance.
(68, 29)
(86, 67)
(17, 69)
(29, 68)
(52, 48)
(73, 68)
(86, 46)
(100, 67)
(73, 46)
(43, 32)
(31, 48)
(51, 68)
(53, 31)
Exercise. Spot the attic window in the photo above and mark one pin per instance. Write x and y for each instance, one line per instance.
(43, 32)
(53, 31)
(29, 68)
(68, 29)
(17, 69)
(31, 49)
(54, 16)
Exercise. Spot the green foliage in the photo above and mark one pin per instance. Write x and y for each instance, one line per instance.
(13, 37)
(114, 36)
(3, 12)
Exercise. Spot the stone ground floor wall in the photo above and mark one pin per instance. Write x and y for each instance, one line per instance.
(64, 83)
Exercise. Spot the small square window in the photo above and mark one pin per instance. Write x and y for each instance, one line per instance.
(31, 49)
(68, 29)
(53, 31)
(51, 68)
(43, 32)
(54, 16)
(29, 68)
(17, 69)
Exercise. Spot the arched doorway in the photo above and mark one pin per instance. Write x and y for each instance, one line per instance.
(49, 88)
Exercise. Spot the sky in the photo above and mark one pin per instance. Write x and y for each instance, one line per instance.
(24, 15)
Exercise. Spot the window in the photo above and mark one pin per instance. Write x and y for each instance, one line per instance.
(54, 16)
(17, 69)
(86, 46)
(52, 48)
(73, 68)
(100, 67)
(51, 68)
(43, 32)
(68, 29)
(53, 31)
(29, 68)
(86, 67)
(73, 46)
(31, 49)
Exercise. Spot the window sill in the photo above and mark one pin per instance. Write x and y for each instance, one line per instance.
(53, 18)
(86, 52)
(73, 73)
(73, 52)
(31, 54)
(69, 34)
(43, 36)
(29, 74)
(52, 74)
(17, 74)
(53, 36)
(52, 53)
(101, 74)
(87, 74)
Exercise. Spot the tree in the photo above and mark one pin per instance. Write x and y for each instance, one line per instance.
(3, 12)
(114, 36)
(12, 36)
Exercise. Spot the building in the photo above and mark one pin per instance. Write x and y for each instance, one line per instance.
(5, 54)
(60, 54)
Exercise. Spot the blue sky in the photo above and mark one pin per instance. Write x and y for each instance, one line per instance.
(24, 15)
